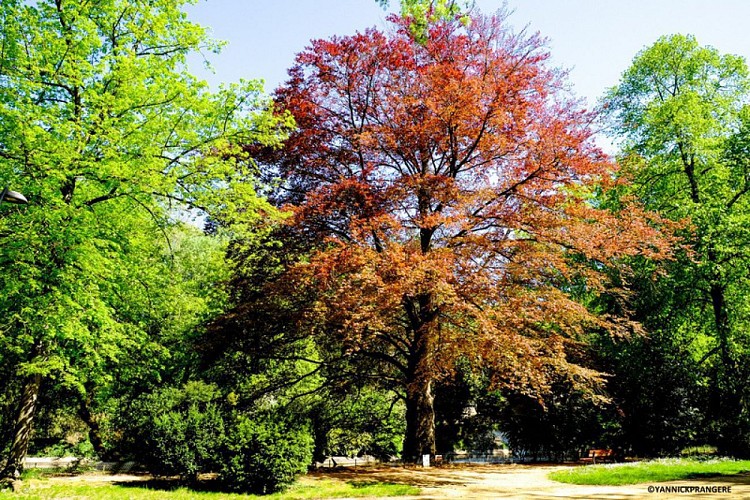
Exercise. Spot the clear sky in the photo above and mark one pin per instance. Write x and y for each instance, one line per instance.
(595, 39)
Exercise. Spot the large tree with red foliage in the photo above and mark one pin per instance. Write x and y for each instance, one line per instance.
(449, 183)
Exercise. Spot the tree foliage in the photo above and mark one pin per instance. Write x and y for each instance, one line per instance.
(561, 426)
(265, 453)
(420, 12)
(363, 421)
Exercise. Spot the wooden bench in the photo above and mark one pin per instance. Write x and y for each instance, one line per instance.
(599, 455)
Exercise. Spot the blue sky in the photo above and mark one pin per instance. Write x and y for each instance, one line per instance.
(595, 39)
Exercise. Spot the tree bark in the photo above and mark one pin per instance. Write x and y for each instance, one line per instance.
(420, 411)
(721, 320)
(420, 421)
(24, 426)
(728, 392)
(95, 435)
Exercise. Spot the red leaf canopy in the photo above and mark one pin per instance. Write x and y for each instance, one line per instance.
(451, 181)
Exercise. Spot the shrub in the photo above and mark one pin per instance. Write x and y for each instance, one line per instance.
(265, 453)
(180, 429)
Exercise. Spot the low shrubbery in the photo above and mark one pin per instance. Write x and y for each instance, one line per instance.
(265, 453)
(191, 430)
(180, 430)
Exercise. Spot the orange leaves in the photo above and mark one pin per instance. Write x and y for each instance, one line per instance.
(384, 277)
(609, 237)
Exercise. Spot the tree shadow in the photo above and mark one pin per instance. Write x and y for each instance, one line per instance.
(205, 485)
(738, 478)
(432, 477)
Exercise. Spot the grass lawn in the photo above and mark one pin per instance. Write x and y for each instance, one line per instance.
(650, 471)
(305, 487)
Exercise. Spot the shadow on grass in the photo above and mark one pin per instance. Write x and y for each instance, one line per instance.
(173, 483)
(364, 484)
(742, 477)
(216, 486)
(445, 475)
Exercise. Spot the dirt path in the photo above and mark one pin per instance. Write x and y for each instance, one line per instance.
(528, 481)
(494, 482)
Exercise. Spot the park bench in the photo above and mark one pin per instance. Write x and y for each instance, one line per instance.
(599, 455)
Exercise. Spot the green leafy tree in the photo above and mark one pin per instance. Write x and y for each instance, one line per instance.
(658, 391)
(559, 427)
(178, 291)
(422, 12)
(109, 137)
(680, 111)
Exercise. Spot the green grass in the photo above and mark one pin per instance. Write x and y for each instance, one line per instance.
(305, 488)
(650, 472)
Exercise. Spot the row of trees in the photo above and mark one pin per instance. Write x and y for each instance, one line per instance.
(413, 243)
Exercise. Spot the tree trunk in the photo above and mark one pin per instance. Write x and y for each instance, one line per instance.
(420, 421)
(95, 435)
(420, 411)
(24, 425)
(728, 386)
(721, 320)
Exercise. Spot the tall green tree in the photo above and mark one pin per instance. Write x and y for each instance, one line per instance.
(681, 113)
(108, 135)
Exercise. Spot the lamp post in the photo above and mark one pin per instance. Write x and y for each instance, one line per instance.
(13, 197)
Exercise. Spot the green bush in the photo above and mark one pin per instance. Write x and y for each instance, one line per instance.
(265, 453)
(180, 430)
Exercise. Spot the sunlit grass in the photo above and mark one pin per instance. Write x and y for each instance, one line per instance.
(650, 471)
(699, 451)
(304, 488)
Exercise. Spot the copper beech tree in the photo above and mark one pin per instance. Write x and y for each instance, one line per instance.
(449, 184)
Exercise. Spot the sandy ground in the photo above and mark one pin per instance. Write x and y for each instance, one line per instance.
(495, 482)
(528, 481)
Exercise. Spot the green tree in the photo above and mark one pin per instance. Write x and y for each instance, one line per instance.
(176, 292)
(422, 12)
(441, 8)
(657, 388)
(109, 137)
(680, 111)
(362, 421)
